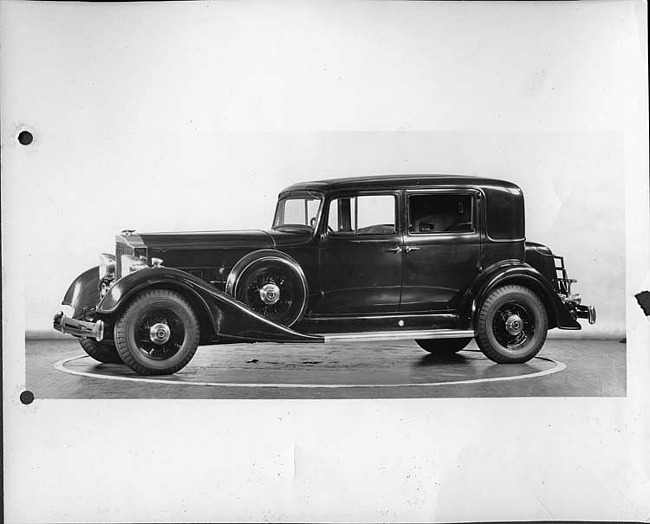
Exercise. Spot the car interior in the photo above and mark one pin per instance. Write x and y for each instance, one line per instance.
(375, 214)
(446, 213)
(363, 215)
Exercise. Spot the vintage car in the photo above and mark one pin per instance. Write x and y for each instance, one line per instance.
(437, 259)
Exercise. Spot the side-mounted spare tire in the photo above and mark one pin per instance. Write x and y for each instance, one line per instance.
(272, 284)
(158, 333)
(101, 351)
(511, 325)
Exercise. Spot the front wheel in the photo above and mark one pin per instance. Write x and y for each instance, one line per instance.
(511, 326)
(100, 351)
(158, 333)
(445, 346)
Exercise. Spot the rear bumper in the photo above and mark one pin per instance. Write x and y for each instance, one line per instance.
(78, 328)
(573, 304)
(588, 312)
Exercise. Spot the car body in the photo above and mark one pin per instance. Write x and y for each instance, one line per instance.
(440, 259)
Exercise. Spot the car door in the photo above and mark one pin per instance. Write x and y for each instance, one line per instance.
(360, 255)
(442, 248)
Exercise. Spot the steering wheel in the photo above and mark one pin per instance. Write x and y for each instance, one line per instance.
(312, 223)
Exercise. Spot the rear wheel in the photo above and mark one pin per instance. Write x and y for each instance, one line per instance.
(101, 351)
(274, 288)
(158, 333)
(512, 325)
(444, 345)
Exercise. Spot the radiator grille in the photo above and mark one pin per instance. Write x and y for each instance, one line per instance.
(121, 249)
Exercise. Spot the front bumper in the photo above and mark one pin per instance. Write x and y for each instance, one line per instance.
(78, 328)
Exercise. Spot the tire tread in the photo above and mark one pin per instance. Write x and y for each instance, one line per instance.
(481, 335)
(100, 351)
(121, 334)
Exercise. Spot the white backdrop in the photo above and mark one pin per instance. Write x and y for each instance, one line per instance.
(193, 115)
(195, 121)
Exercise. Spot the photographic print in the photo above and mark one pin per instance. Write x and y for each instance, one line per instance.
(272, 250)
(386, 285)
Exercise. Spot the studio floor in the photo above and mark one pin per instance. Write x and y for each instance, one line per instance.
(564, 368)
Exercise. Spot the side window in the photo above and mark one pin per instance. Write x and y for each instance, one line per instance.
(376, 215)
(362, 215)
(442, 213)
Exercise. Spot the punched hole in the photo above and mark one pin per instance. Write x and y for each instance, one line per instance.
(25, 138)
(27, 397)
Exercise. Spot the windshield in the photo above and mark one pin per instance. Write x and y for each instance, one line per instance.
(297, 213)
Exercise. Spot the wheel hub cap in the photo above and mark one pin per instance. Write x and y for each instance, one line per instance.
(160, 333)
(514, 325)
(270, 294)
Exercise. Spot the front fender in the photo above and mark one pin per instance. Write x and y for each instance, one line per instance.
(520, 273)
(83, 293)
(228, 318)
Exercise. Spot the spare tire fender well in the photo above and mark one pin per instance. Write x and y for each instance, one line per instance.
(244, 262)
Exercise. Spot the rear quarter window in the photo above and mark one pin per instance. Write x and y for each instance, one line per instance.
(505, 216)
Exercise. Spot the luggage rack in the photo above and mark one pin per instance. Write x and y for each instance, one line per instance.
(562, 280)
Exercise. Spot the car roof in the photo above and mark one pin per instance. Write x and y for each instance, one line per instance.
(383, 182)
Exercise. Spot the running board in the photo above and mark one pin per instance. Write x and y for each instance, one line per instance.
(399, 335)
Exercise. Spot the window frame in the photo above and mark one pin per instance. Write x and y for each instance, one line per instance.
(396, 194)
(474, 194)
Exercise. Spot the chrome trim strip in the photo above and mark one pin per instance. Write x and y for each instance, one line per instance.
(400, 335)
(388, 316)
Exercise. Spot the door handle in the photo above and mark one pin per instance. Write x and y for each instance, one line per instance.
(411, 248)
(395, 249)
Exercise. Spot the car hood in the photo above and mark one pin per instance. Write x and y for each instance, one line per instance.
(244, 239)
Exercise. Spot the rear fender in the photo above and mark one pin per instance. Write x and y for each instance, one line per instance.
(228, 319)
(518, 273)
